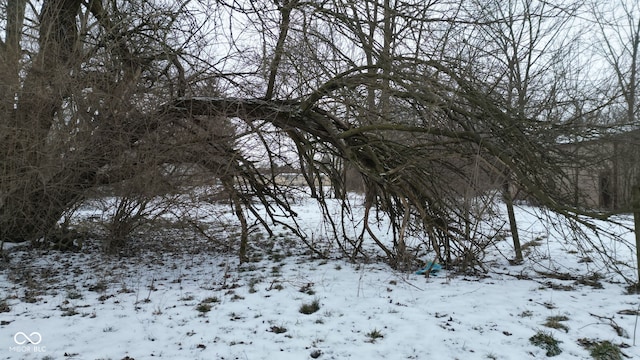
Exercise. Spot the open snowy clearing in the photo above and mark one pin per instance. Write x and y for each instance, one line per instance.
(179, 299)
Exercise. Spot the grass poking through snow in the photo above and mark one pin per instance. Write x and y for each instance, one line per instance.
(310, 308)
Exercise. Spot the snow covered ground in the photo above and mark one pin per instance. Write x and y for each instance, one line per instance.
(177, 300)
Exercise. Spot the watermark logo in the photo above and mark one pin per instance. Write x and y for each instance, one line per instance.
(21, 338)
(27, 343)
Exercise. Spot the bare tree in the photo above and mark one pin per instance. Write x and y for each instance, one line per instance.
(85, 96)
(521, 48)
(619, 35)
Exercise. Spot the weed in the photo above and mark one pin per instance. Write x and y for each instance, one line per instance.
(276, 257)
(602, 350)
(74, 295)
(103, 297)
(310, 308)
(374, 335)
(633, 289)
(210, 300)
(100, 286)
(555, 322)
(606, 351)
(203, 308)
(69, 311)
(278, 329)
(547, 342)
(526, 313)
(592, 280)
(278, 287)
(31, 297)
(549, 305)
(124, 289)
(4, 306)
(533, 243)
(316, 342)
(252, 285)
(564, 276)
(308, 289)
(555, 286)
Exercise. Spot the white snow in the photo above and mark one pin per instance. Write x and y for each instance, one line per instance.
(89, 305)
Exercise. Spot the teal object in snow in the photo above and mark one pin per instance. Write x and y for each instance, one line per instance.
(431, 267)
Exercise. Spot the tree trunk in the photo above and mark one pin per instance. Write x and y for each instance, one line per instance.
(32, 199)
(508, 200)
(636, 220)
(236, 204)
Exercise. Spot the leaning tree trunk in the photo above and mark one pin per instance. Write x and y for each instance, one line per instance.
(508, 200)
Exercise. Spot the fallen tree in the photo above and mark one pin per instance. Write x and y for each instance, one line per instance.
(409, 169)
(113, 94)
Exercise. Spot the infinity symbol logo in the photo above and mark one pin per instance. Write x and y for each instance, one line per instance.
(31, 338)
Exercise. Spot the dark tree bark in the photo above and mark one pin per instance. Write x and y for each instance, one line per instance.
(30, 207)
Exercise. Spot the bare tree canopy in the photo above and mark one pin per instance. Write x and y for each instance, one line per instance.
(428, 104)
